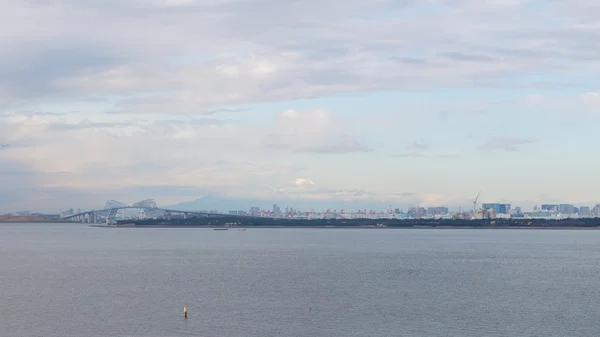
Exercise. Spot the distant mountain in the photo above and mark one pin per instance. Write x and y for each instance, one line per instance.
(224, 204)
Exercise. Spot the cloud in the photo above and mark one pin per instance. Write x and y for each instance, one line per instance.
(410, 155)
(302, 181)
(233, 96)
(313, 132)
(208, 155)
(203, 54)
(506, 144)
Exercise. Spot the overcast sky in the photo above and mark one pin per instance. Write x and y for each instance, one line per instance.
(412, 102)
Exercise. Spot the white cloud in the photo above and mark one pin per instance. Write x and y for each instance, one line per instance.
(302, 181)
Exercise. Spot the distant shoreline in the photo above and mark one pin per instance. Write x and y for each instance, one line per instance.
(234, 222)
(352, 227)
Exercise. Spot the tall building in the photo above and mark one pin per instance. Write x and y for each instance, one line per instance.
(276, 210)
(498, 208)
(584, 211)
(566, 209)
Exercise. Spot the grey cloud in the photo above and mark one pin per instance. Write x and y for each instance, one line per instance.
(410, 60)
(32, 69)
(506, 144)
(86, 125)
(376, 55)
(222, 110)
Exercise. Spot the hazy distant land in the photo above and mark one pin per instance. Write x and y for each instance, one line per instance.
(29, 218)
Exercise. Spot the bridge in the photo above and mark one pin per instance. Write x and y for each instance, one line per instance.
(148, 207)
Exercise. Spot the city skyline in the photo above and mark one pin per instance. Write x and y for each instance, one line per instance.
(316, 102)
(258, 208)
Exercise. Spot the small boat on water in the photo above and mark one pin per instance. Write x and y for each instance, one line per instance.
(220, 229)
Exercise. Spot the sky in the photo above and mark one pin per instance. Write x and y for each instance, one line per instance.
(414, 102)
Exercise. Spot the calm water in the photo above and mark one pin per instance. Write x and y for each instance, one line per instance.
(74, 280)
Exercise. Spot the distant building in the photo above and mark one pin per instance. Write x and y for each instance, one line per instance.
(433, 211)
(516, 212)
(566, 209)
(584, 211)
(276, 210)
(417, 212)
(254, 210)
(596, 210)
(498, 208)
(550, 208)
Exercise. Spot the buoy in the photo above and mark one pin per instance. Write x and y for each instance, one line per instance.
(185, 311)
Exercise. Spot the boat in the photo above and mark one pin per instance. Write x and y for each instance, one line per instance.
(220, 229)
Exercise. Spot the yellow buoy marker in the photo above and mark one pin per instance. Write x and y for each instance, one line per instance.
(185, 311)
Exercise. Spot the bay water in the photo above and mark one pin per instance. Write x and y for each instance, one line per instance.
(76, 280)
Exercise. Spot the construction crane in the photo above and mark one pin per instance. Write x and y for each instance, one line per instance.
(475, 203)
